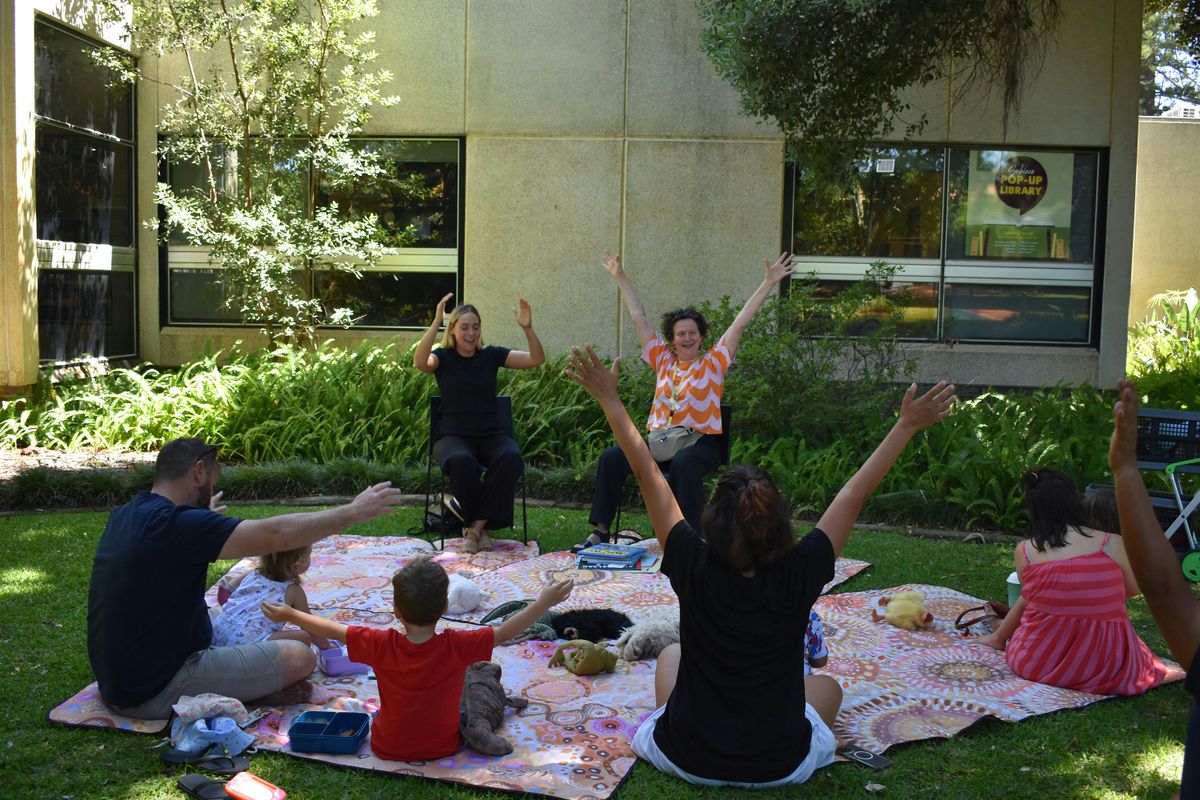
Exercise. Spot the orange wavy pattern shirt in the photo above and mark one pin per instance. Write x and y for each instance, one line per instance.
(687, 393)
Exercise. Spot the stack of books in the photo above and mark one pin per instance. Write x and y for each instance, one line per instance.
(611, 556)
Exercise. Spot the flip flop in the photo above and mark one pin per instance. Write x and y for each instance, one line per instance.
(202, 787)
(627, 535)
(206, 759)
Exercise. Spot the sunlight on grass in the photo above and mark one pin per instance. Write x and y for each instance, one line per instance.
(1164, 761)
(21, 580)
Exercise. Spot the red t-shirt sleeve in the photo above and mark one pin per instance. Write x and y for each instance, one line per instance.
(362, 644)
(467, 647)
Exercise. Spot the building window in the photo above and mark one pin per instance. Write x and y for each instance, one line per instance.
(419, 204)
(85, 202)
(992, 245)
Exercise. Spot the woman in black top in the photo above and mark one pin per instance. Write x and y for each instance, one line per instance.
(469, 440)
(734, 707)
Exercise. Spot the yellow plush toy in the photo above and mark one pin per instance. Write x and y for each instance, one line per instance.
(584, 658)
(904, 610)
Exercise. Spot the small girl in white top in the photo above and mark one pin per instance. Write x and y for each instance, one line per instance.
(277, 580)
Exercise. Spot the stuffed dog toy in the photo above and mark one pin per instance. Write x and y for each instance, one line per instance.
(648, 638)
(482, 704)
(904, 610)
(584, 658)
(592, 624)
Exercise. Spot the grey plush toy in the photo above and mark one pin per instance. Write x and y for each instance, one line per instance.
(482, 704)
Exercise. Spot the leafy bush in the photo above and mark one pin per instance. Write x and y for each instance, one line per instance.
(1164, 351)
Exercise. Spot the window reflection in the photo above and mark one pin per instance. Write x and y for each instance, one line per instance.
(384, 299)
(70, 87)
(917, 304)
(1021, 313)
(84, 189)
(85, 314)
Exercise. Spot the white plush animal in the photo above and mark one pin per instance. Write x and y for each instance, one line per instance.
(647, 638)
(463, 596)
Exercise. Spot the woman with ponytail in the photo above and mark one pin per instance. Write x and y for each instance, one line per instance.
(1071, 628)
(733, 706)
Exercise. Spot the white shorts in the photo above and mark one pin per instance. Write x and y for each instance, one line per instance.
(821, 750)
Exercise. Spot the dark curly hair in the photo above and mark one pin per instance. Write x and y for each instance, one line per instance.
(671, 317)
(1054, 506)
(747, 525)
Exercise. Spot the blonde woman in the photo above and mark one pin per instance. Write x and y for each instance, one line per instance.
(469, 440)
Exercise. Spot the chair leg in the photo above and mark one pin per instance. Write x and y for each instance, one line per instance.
(524, 515)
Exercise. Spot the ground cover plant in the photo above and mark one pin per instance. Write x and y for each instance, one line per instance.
(1125, 748)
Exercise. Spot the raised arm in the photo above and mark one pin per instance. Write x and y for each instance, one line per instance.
(588, 370)
(916, 414)
(637, 313)
(551, 596)
(534, 356)
(1150, 555)
(317, 627)
(256, 537)
(773, 273)
(423, 358)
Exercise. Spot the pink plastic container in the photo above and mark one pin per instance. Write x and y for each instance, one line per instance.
(335, 661)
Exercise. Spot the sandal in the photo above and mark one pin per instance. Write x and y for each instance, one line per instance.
(203, 788)
(209, 759)
(593, 538)
(470, 544)
(992, 609)
(627, 535)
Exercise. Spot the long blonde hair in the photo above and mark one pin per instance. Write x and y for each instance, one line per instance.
(452, 320)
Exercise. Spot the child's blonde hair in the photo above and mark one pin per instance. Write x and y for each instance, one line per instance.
(283, 565)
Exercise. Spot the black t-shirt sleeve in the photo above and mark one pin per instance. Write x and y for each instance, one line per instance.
(201, 534)
(812, 561)
(682, 556)
(1192, 682)
(499, 354)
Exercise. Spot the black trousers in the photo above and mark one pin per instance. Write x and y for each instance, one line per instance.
(685, 475)
(483, 473)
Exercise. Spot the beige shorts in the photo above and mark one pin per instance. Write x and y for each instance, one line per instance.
(246, 672)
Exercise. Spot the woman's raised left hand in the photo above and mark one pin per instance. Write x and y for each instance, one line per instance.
(784, 266)
(523, 313)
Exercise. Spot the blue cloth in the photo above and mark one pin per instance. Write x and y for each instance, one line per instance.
(203, 733)
(146, 611)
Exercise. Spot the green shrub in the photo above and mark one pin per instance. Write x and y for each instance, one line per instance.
(1164, 351)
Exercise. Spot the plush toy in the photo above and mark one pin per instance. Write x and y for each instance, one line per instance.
(584, 658)
(904, 610)
(463, 596)
(482, 705)
(592, 624)
(647, 638)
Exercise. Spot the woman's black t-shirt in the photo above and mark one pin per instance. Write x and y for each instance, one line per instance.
(737, 710)
(468, 388)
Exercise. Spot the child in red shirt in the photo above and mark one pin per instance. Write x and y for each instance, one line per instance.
(420, 672)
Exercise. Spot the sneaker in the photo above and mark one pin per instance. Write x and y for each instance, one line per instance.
(451, 504)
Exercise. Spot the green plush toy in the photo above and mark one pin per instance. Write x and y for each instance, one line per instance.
(584, 658)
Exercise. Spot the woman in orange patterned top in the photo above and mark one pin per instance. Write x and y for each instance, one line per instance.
(690, 383)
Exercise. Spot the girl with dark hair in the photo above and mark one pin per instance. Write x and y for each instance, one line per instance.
(1071, 628)
(470, 441)
(733, 708)
(687, 396)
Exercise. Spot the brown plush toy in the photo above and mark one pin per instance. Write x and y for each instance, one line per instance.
(904, 610)
(584, 658)
(482, 704)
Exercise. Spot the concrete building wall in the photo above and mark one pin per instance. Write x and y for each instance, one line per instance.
(600, 123)
(1166, 252)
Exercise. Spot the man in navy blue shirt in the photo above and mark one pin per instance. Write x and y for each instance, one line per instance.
(149, 631)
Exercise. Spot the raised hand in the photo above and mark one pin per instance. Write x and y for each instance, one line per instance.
(612, 264)
(439, 312)
(586, 369)
(523, 313)
(214, 503)
(1122, 448)
(375, 500)
(919, 413)
(555, 593)
(784, 265)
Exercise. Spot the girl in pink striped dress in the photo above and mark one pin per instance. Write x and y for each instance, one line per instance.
(1071, 628)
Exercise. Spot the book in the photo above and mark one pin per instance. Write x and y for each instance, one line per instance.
(613, 553)
(649, 562)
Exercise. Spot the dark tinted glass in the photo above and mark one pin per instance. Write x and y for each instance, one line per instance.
(70, 87)
(918, 303)
(1018, 313)
(197, 295)
(85, 314)
(385, 299)
(84, 189)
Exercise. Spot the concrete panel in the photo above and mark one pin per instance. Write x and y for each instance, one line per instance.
(546, 68)
(421, 42)
(673, 88)
(1004, 365)
(1166, 240)
(1068, 102)
(700, 217)
(539, 214)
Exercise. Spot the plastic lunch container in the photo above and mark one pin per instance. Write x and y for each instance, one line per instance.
(329, 731)
(336, 661)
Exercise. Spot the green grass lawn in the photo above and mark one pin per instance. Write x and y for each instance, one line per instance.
(1125, 748)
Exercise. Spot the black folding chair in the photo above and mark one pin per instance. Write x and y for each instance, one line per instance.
(433, 502)
(726, 422)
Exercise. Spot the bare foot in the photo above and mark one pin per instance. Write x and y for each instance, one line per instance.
(485, 541)
(470, 544)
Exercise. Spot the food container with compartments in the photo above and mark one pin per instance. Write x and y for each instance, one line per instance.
(329, 731)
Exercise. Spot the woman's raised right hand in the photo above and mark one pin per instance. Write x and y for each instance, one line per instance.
(439, 312)
(612, 264)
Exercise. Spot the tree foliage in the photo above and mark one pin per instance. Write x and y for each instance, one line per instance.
(266, 99)
(833, 74)
(1170, 44)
